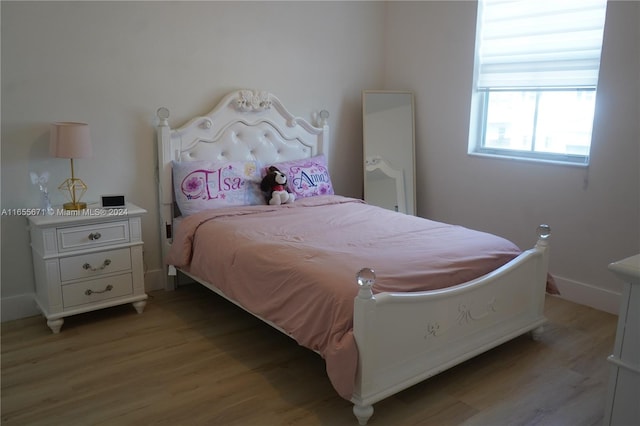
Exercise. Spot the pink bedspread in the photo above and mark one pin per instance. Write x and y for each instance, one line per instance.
(295, 265)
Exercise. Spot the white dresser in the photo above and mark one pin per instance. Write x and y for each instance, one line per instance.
(623, 398)
(87, 260)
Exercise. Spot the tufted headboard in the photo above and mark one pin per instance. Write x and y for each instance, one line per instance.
(245, 125)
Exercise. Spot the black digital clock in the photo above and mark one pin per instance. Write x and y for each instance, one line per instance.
(113, 201)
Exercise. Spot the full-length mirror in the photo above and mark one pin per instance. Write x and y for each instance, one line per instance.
(389, 150)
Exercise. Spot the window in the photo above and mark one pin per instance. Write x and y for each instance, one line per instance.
(536, 74)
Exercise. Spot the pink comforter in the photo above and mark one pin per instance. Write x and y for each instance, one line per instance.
(294, 265)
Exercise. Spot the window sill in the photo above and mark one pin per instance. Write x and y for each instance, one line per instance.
(529, 159)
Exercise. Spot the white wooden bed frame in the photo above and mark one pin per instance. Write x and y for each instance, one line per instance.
(402, 338)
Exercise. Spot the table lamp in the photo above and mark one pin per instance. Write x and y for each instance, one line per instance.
(71, 140)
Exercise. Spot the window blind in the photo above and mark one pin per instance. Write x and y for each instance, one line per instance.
(539, 43)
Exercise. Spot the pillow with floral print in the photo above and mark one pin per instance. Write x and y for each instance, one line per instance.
(202, 185)
(307, 177)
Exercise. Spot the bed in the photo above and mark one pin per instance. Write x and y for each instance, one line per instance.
(387, 299)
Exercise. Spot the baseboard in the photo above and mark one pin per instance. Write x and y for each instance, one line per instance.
(585, 294)
(16, 307)
(574, 291)
(23, 305)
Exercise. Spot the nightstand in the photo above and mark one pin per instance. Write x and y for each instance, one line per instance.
(87, 260)
(622, 406)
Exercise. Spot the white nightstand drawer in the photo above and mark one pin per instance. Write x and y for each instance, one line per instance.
(97, 290)
(90, 265)
(79, 237)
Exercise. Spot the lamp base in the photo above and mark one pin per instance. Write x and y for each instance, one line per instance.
(74, 206)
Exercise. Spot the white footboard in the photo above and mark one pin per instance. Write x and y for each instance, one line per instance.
(404, 338)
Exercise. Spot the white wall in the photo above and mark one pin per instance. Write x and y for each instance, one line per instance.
(594, 213)
(112, 64)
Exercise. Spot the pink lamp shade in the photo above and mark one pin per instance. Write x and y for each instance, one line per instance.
(70, 140)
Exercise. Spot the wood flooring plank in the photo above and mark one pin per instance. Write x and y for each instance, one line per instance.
(193, 358)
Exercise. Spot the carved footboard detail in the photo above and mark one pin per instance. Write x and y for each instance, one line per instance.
(405, 338)
(467, 314)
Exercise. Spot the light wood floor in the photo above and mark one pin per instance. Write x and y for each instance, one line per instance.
(193, 358)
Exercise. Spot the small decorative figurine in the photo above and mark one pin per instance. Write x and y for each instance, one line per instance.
(42, 181)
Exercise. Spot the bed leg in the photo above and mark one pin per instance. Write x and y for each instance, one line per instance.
(363, 413)
(536, 333)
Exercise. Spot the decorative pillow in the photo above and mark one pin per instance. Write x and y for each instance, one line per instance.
(307, 177)
(202, 185)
